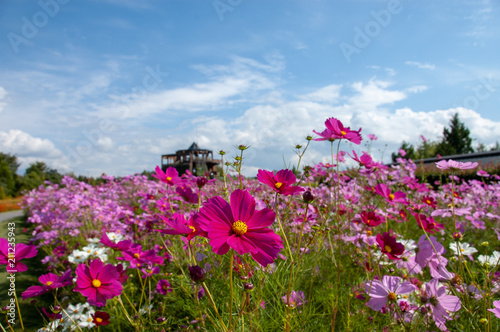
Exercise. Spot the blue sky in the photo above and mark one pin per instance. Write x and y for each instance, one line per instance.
(107, 86)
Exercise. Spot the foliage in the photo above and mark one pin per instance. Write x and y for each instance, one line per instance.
(456, 140)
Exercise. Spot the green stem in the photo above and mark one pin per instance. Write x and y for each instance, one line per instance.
(231, 263)
(281, 226)
(18, 310)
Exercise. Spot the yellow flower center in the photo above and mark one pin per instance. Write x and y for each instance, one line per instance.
(48, 283)
(391, 197)
(136, 255)
(278, 185)
(11, 255)
(392, 296)
(369, 233)
(192, 228)
(428, 201)
(343, 132)
(89, 319)
(99, 320)
(387, 248)
(462, 250)
(239, 228)
(169, 178)
(96, 283)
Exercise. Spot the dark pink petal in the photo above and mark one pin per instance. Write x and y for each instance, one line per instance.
(261, 218)
(20, 267)
(25, 251)
(266, 177)
(34, 291)
(242, 205)
(95, 268)
(108, 273)
(48, 277)
(285, 176)
(241, 244)
(215, 208)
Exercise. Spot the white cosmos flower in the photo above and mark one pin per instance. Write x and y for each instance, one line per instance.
(78, 256)
(492, 260)
(463, 248)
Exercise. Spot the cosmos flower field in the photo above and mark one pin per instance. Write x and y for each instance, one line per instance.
(370, 248)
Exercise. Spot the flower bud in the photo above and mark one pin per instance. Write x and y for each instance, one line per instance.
(243, 147)
(222, 152)
(56, 309)
(458, 236)
(248, 287)
(161, 320)
(201, 182)
(309, 138)
(196, 273)
(308, 197)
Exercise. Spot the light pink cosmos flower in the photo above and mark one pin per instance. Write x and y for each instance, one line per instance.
(496, 310)
(281, 182)
(441, 303)
(239, 226)
(294, 299)
(455, 165)
(386, 290)
(12, 259)
(98, 282)
(336, 130)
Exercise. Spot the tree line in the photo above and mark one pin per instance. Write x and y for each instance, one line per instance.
(455, 140)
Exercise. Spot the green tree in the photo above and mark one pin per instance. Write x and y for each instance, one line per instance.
(8, 176)
(456, 139)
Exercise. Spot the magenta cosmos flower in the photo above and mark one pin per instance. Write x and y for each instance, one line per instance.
(386, 290)
(180, 226)
(12, 258)
(496, 310)
(336, 130)
(281, 182)
(455, 165)
(98, 282)
(170, 176)
(49, 282)
(389, 246)
(239, 226)
(384, 191)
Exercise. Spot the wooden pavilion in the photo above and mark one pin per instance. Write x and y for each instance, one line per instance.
(197, 161)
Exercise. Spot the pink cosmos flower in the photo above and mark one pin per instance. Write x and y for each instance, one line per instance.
(239, 226)
(170, 176)
(12, 259)
(336, 130)
(98, 282)
(441, 303)
(389, 246)
(369, 218)
(180, 226)
(372, 137)
(386, 290)
(365, 159)
(49, 282)
(138, 258)
(427, 223)
(163, 287)
(384, 191)
(294, 299)
(187, 194)
(455, 165)
(281, 182)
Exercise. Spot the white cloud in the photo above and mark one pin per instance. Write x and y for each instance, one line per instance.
(421, 65)
(3, 93)
(329, 93)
